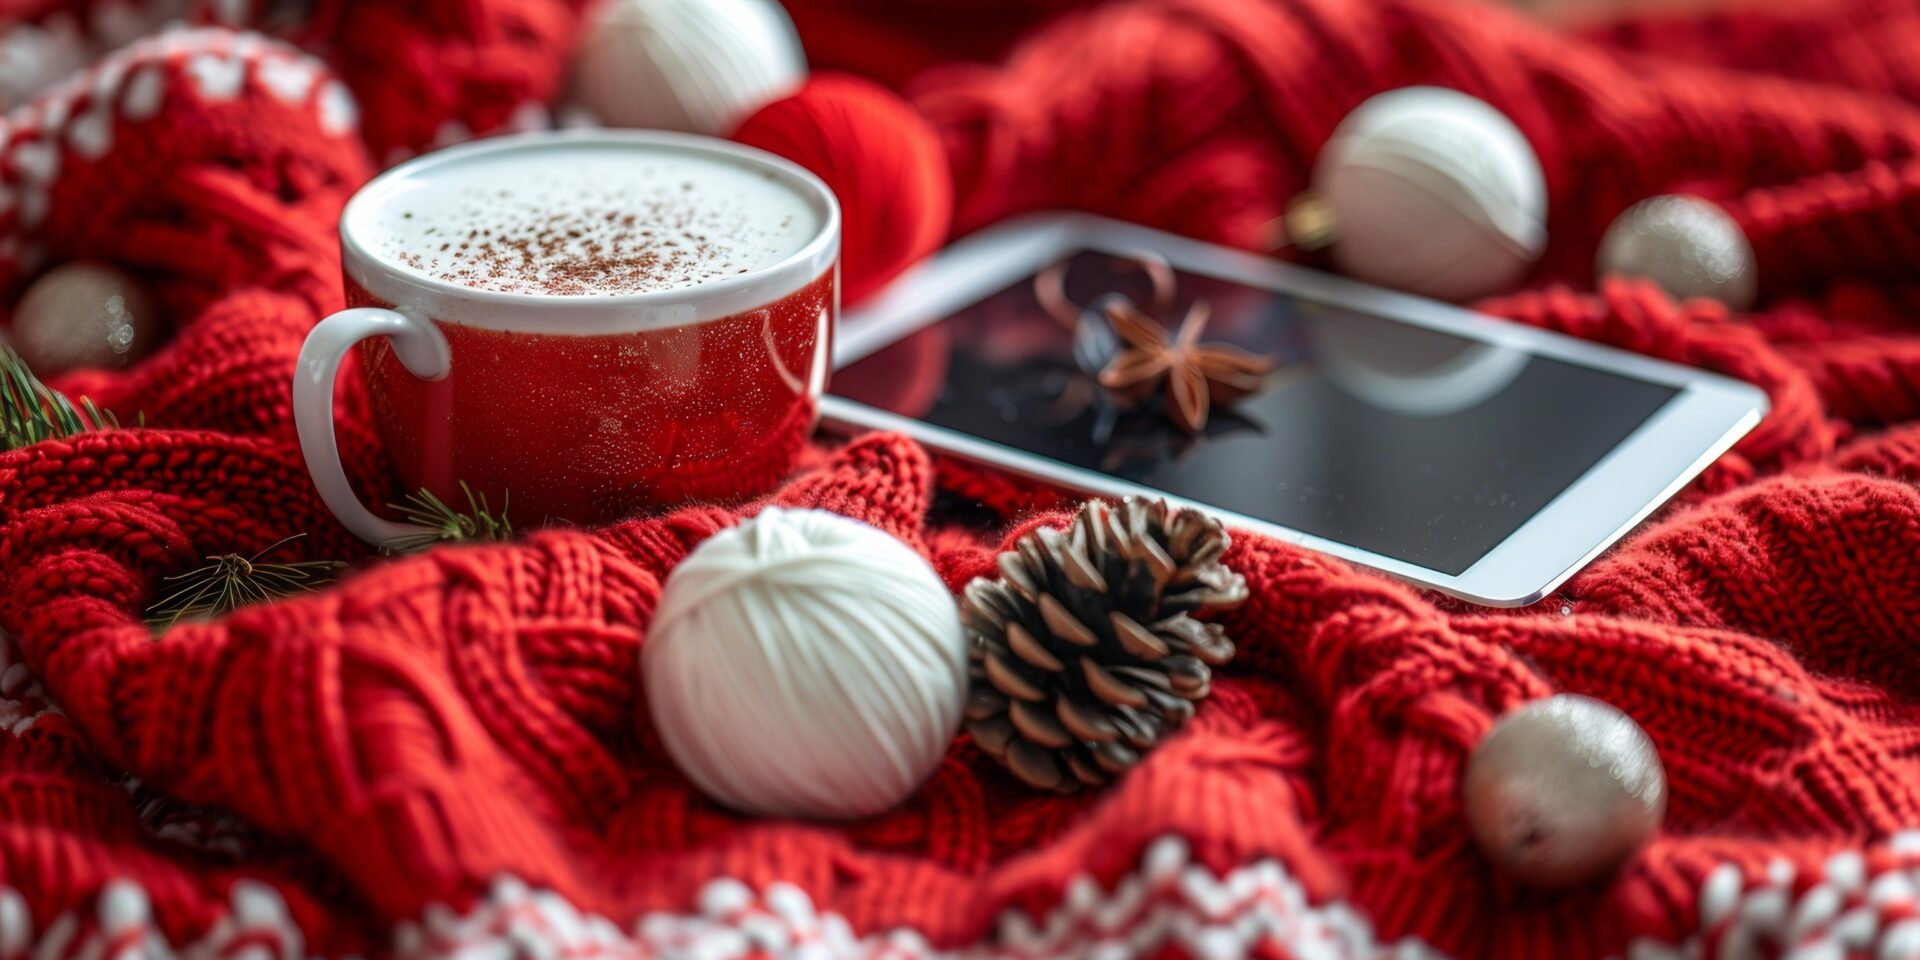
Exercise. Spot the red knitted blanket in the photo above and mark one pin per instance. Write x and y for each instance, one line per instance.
(446, 754)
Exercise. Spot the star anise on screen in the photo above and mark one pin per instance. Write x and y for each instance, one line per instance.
(1193, 375)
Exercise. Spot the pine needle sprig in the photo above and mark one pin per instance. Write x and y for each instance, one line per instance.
(31, 411)
(230, 581)
(445, 524)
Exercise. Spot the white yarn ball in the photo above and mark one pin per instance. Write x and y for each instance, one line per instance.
(697, 66)
(1688, 246)
(804, 664)
(1433, 192)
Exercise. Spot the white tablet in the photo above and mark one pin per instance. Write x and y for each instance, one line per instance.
(1476, 456)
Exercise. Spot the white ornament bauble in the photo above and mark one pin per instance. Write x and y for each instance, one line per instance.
(697, 66)
(804, 664)
(1689, 246)
(1433, 192)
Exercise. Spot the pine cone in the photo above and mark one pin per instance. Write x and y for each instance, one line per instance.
(1085, 653)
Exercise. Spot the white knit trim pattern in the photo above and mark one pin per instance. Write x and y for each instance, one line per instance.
(1838, 911)
(121, 927)
(1170, 902)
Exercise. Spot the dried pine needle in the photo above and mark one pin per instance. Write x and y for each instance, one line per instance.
(446, 524)
(230, 581)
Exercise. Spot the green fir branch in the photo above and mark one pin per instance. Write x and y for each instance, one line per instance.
(31, 411)
(445, 524)
(230, 581)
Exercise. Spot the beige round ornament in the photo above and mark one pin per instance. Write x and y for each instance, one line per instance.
(1689, 246)
(1563, 791)
(697, 66)
(84, 314)
(1433, 192)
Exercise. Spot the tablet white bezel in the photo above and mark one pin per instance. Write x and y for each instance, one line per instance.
(1702, 421)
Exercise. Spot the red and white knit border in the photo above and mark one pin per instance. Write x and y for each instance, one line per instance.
(1170, 903)
(1844, 909)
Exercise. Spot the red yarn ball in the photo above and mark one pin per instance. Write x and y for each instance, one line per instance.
(882, 159)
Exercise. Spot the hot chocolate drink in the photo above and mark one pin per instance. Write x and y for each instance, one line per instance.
(634, 320)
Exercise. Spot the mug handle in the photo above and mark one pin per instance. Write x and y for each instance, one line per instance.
(422, 349)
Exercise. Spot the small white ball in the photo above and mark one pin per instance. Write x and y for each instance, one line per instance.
(804, 664)
(84, 314)
(697, 66)
(1563, 790)
(1433, 192)
(1688, 246)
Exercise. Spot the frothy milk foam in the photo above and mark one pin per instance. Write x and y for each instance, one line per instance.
(588, 220)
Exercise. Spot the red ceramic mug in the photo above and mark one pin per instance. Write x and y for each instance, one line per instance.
(584, 324)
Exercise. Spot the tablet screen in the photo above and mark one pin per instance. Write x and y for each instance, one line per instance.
(1394, 438)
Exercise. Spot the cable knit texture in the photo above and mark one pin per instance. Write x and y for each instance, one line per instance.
(348, 763)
